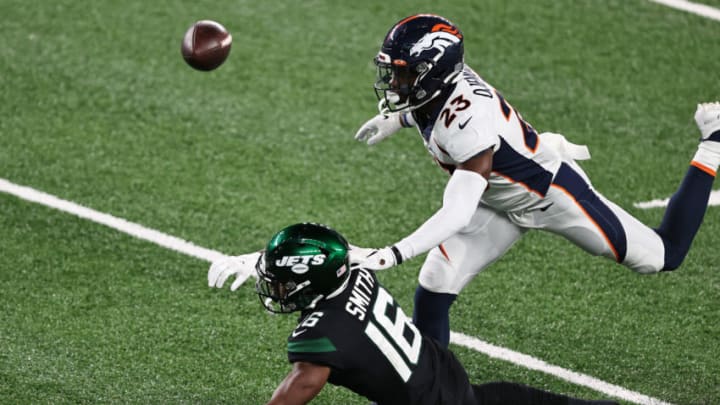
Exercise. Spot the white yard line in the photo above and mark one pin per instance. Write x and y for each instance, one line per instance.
(714, 200)
(188, 248)
(130, 228)
(695, 8)
(533, 363)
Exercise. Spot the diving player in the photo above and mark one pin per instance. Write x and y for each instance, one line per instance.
(505, 177)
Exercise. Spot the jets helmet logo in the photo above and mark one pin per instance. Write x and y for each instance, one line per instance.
(300, 264)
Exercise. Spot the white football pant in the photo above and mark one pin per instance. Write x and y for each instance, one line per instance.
(571, 208)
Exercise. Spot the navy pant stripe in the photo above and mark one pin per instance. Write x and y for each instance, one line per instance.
(520, 169)
(595, 208)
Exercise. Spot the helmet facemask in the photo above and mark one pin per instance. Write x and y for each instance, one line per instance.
(282, 297)
(398, 86)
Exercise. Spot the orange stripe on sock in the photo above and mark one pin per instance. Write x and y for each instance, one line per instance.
(703, 168)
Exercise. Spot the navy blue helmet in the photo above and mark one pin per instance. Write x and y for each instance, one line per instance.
(420, 56)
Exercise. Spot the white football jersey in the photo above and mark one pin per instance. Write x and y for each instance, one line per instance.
(475, 117)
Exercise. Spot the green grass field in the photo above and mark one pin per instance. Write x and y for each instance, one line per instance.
(98, 107)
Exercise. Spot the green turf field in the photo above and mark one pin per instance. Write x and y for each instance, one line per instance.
(98, 107)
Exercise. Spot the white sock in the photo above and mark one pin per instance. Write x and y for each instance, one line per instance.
(708, 157)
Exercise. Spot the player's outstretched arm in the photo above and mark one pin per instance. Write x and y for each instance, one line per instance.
(460, 200)
(301, 385)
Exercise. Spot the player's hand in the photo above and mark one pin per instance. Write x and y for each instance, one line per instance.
(241, 267)
(382, 259)
(358, 254)
(381, 126)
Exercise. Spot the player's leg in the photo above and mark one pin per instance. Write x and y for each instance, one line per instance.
(573, 209)
(431, 313)
(450, 266)
(603, 228)
(687, 207)
(497, 393)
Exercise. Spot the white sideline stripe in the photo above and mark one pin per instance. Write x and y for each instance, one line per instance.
(695, 8)
(130, 228)
(532, 363)
(183, 246)
(714, 200)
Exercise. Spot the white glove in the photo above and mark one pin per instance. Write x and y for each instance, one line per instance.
(242, 267)
(381, 126)
(382, 259)
(707, 117)
(357, 254)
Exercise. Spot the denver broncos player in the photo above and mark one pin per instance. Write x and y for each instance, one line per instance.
(505, 177)
(352, 333)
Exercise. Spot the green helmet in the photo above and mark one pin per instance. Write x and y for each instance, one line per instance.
(302, 264)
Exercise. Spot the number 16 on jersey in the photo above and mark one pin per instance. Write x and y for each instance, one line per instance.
(393, 333)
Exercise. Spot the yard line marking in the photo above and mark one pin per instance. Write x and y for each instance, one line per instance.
(183, 246)
(533, 363)
(122, 225)
(714, 200)
(130, 228)
(695, 8)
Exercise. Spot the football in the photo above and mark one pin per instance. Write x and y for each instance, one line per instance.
(206, 45)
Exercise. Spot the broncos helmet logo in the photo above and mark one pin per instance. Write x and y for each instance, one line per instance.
(438, 40)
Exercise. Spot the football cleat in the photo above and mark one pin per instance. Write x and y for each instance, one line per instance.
(707, 118)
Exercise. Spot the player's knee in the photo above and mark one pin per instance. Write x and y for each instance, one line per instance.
(436, 281)
(675, 252)
(646, 257)
(674, 256)
(645, 268)
(673, 262)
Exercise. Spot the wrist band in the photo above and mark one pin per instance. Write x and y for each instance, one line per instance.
(397, 254)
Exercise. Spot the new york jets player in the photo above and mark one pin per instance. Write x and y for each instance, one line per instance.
(505, 178)
(352, 333)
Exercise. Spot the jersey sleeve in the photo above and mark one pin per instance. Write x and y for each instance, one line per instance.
(470, 133)
(316, 344)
